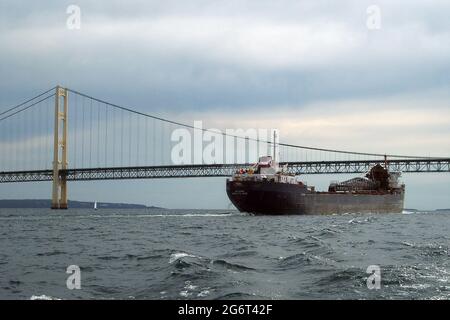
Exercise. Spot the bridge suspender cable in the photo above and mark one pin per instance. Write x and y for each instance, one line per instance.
(25, 103)
(25, 140)
(247, 138)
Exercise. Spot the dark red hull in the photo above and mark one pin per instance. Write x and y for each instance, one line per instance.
(264, 197)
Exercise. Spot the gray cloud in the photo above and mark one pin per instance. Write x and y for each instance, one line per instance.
(184, 58)
(226, 53)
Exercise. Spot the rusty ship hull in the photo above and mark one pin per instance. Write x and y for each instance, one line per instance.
(264, 197)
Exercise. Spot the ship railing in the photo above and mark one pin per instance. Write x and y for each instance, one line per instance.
(262, 177)
(249, 177)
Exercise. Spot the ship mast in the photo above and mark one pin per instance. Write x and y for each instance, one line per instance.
(274, 145)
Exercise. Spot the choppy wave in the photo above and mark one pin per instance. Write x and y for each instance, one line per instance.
(179, 255)
(195, 254)
(187, 260)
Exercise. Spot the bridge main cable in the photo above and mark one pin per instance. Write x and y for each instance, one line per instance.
(27, 101)
(249, 138)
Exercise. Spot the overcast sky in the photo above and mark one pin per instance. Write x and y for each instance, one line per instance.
(311, 68)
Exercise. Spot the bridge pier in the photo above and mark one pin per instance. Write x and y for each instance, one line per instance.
(59, 186)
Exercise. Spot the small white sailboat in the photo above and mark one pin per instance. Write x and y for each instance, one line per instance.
(95, 205)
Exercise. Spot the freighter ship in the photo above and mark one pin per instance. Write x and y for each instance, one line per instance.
(267, 188)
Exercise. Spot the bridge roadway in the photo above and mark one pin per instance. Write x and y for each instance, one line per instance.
(224, 170)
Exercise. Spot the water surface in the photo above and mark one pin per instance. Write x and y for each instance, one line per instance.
(198, 254)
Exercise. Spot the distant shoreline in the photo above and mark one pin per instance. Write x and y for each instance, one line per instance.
(46, 203)
(421, 210)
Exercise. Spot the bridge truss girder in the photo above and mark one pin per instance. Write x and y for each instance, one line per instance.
(223, 170)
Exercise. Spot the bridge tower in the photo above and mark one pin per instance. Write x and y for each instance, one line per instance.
(59, 189)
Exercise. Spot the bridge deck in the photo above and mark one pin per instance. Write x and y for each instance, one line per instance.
(224, 170)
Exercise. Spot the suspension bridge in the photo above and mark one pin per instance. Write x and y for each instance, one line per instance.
(46, 138)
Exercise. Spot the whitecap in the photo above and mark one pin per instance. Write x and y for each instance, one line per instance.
(190, 287)
(43, 297)
(408, 244)
(185, 293)
(203, 293)
(178, 255)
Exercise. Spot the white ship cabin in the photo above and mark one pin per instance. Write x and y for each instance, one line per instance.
(265, 170)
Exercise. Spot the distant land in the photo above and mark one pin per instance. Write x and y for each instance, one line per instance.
(419, 210)
(422, 210)
(45, 203)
